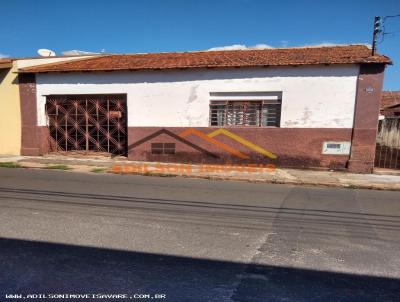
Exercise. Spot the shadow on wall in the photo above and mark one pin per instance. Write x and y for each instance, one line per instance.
(3, 74)
(42, 267)
(6, 72)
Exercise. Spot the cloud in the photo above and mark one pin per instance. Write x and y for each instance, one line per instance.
(230, 47)
(260, 46)
(77, 52)
(284, 43)
(3, 55)
(330, 44)
(240, 47)
(322, 44)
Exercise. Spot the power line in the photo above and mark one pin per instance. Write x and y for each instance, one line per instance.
(392, 16)
(382, 32)
(391, 32)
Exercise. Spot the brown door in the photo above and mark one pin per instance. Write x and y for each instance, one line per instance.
(88, 123)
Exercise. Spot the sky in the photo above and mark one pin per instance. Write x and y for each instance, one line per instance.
(130, 26)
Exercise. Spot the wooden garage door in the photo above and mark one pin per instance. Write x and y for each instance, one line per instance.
(88, 123)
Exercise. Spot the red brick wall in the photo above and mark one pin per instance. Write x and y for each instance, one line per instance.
(294, 147)
(369, 89)
(29, 131)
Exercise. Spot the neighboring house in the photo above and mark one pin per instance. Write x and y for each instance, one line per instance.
(10, 107)
(10, 114)
(390, 104)
(299, 107)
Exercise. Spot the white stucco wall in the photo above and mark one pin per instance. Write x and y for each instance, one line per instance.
(313, 97)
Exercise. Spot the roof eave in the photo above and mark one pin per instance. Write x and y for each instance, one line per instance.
(33, 70)
(6, 65)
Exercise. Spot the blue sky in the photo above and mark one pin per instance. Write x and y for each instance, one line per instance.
(125, 26)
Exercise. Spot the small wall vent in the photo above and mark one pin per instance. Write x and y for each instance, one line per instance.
(336, 148)
(163, 148)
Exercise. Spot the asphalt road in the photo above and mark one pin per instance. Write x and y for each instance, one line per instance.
(194, 240)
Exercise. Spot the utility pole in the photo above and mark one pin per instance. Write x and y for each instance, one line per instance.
(377, 30)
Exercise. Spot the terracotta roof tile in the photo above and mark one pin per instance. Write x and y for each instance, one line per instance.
(352, 54)
(389, 99)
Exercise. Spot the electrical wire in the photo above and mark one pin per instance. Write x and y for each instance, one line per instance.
(383, 33)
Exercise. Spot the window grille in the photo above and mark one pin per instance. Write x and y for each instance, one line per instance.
(245, 113)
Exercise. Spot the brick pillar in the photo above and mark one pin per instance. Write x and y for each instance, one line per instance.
(30, 144)
(366, 115)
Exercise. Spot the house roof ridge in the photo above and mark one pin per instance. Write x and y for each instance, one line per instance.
(343, 54)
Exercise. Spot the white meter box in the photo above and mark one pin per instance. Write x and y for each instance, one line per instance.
(336, 148)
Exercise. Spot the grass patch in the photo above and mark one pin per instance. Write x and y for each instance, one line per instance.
(58, 167)
(99, 170)
(10, 165)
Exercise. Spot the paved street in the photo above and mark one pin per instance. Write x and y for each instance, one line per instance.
(195, 240)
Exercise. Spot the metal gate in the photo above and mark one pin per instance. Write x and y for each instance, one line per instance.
(87, 123)
(388, 144)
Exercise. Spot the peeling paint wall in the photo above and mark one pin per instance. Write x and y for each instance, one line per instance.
(313, 97)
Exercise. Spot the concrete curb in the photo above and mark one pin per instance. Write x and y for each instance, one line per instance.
(281, 176)
(272, 181)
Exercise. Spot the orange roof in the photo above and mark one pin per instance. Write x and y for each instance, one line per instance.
(389, 99)
(351, 54)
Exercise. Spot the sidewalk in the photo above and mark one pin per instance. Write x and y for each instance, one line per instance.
(281, 176)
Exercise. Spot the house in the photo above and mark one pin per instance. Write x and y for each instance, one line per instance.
(390, 104)
(293, 107)
(10, 116)
(10, 113)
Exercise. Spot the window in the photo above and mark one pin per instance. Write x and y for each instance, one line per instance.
(162, 148)
(258, 113)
